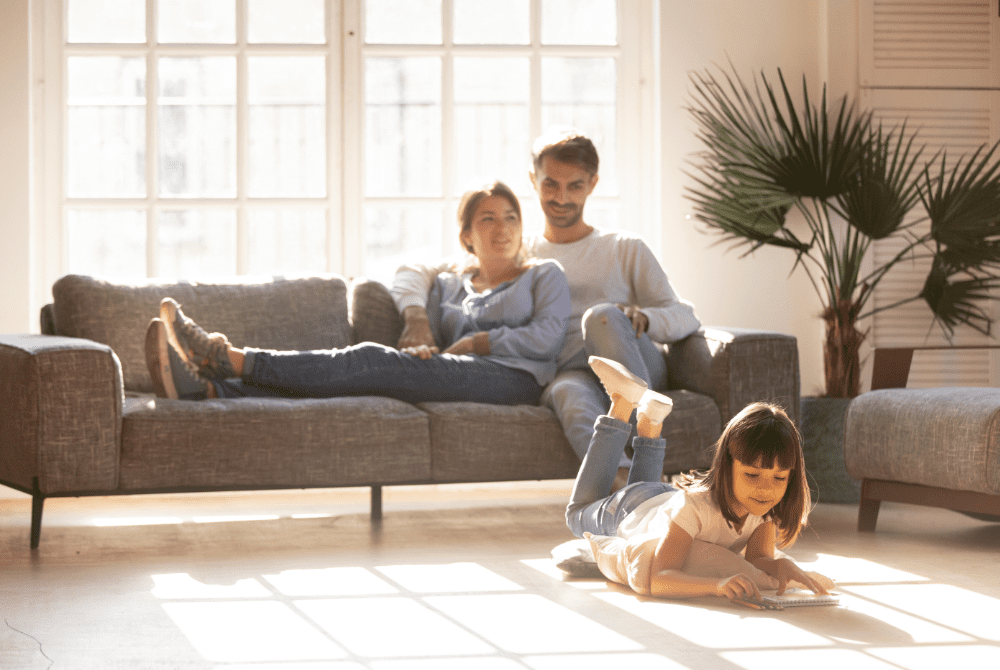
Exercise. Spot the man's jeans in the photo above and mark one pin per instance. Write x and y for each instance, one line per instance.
(373, 369)
(576, 395)
(590, 507)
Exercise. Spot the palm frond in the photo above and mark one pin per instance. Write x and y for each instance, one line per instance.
(958, 301)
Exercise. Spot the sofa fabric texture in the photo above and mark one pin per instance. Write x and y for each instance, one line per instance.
(268, 313)
(941, 437)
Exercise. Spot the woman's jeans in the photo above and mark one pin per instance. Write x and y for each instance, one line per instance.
(374, 369)
(590, 507)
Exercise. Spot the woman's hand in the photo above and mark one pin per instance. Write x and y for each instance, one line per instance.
(788, 571)
(423, 352)
(416, 331)
(738, 587)
(461, 347)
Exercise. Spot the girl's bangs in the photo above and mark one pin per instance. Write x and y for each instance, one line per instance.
(766, 446)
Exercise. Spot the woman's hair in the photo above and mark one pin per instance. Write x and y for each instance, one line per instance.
(467, 211)
(760, 436)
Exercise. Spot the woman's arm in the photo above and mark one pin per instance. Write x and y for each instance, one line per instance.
(541, 338)
(760, 554)
(668, 580)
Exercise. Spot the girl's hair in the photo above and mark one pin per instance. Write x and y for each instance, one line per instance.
(760, 436)
(467, 211)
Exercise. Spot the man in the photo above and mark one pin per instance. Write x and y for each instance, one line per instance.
(622, 300)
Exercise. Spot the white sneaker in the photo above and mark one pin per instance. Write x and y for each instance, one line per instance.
(654, 406)
(617, 379)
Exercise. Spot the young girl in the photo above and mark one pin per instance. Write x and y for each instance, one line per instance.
(754, 496)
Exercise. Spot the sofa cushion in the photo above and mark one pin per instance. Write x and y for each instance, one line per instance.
(267, 312)
(475, 442)
(257, 443)
(374, 317)
(691, 430)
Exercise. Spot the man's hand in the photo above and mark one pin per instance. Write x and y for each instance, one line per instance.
(640, 322)
(417, 332)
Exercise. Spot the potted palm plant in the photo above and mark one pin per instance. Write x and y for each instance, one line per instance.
(852, 182)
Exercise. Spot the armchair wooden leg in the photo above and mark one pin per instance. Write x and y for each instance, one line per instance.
(376, 513)
(867, 510)
(37, 502)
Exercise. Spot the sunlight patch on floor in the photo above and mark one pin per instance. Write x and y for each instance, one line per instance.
(182, 585)
(230, 518)
(972, 657)
(637, 661)
(797, 659)
(448, 578)
(240, 632)
(546, 567)
(330, 582)
(392, 627)
(530, 624)
(950, 606)
(695, 623)
(918, 628)
(111, 522)
(847, 570)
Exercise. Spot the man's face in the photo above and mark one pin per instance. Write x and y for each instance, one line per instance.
(562, 189)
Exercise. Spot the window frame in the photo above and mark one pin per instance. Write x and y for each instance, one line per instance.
(637, 138)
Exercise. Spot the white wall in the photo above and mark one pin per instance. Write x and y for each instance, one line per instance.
(15, 172)
(756, 35)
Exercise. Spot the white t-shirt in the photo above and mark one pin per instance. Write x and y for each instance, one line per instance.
(695, 512)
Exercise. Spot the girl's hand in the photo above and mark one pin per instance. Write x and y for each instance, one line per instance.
(737, 587)
(788, 571)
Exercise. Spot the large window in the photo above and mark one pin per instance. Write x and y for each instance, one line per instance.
(219, 137)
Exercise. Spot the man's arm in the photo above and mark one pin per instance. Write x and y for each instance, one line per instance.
(410, 288)
(670, 318)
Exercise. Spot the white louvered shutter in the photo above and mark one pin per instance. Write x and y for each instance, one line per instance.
(934, 63)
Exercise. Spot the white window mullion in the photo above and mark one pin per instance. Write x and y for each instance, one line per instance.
(152, 142)
(242, 138)
(336, 219)
(535, 74)
(448, 177)
(352, 241)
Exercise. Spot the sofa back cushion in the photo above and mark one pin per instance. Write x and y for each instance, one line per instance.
(266, 312)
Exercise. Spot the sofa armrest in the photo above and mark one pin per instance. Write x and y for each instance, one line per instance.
(61, 402)
(737, 366)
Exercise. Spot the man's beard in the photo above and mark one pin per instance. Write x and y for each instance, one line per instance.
(573, 213)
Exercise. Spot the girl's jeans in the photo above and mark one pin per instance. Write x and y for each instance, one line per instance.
(590, 507)
(374, 369)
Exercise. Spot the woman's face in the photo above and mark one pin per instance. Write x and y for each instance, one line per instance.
(495, 233)
(755, 489)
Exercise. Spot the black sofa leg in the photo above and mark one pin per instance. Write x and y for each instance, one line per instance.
(37, 502)
(376, 517)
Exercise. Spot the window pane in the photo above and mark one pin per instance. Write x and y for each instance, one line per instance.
(106, 127)
(402, 126)
(580, 92)
(109, 242)
(197, 130)
(196, 243)
(105, 21)
(579, 22)
(403, 21)
(396, 234)
(287, 120)
(491, 22)
(286, 241)
(286, 21)
(491, 121)
(197, 21)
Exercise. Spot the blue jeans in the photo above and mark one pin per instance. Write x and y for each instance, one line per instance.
(590, 507)
(576, 395)
(374, 369)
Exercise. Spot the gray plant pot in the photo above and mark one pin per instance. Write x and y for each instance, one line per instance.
(823, 445)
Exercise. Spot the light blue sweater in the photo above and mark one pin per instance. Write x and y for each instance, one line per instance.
(525, 318)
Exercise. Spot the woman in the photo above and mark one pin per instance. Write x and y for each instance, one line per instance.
(499, 319)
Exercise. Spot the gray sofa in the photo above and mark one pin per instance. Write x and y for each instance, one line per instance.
(79, 417)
